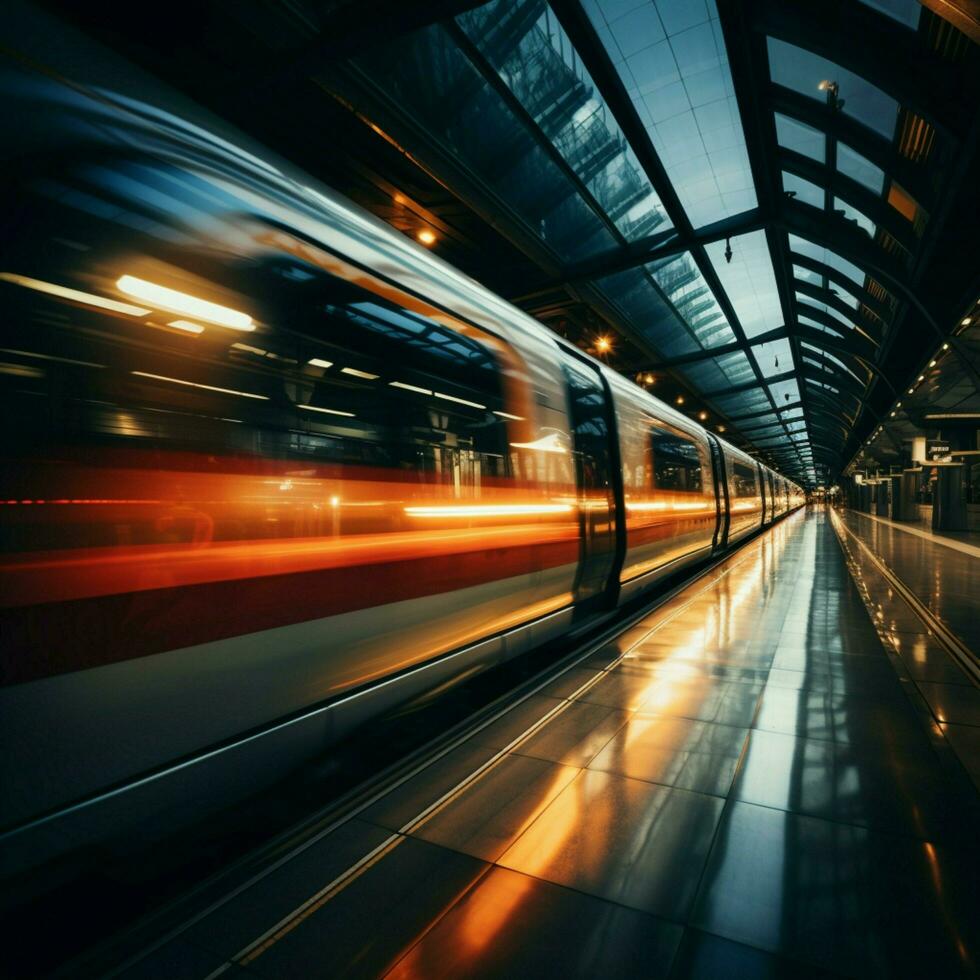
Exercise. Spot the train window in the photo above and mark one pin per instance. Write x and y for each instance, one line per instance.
(676, 462)
(326, 381)
(743, 480)
(588, 412)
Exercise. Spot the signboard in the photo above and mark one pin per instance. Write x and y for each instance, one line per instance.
(939, 451)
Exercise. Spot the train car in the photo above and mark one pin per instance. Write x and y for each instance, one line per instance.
(270, 468)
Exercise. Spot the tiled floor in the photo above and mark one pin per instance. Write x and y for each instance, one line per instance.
(746, 787)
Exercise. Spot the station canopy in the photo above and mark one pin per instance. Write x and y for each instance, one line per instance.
(759, 209)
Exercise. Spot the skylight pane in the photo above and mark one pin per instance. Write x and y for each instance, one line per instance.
(773, 357)
(803, 71)
(858, 217)
(672, 60)
(803, 139)
(545, 74)
(682, 283)
(827, 257)
(785, 392)
(749, 282)
(853, 165)
(801, 317)
(906, 12)
(803, 190)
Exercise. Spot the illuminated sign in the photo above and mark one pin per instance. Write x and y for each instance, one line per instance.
(939, 451)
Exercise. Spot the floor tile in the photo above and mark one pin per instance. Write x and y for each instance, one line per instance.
(629, 841)
(705, 957)
(956, 704)
(682, 752)
(365, 929)
(493, 811)
(516, 721)
(965, 740)
(839, 897)
(407, 801)
(825, 779)
(576, 735)
(568, 683)
(512, 925)
(238, 922)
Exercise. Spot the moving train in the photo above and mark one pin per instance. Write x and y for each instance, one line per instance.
(271, 468)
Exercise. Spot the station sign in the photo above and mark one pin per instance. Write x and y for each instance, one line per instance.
(939, 451)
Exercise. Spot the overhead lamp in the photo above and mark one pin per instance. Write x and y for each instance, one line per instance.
(603, 345)
(680, 399)
(965, 322)
(721, 428)
(911, 391)
(932, 363)
(173, 299)
(702, 416)
(945, 346)
(921, 377)
(325, 411)
(319, 362)
(354, 372)
(649, 379)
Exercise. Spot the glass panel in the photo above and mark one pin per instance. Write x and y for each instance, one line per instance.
(808, 275)
(742, 402)
(827, 257)
(541, 68)
(803, 190)
(682, 283)
(774, 357)
(749, 282)
(431, 80)
(904, 11)
(853, 165)
(720, 372)
(800, 137)
(647, 312)
(808, 302)
(785, 392)
(803, 71)
(858, 217)
(835, 360)
(672, 60)
(803, 318)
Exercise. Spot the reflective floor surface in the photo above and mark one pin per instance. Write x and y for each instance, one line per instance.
(745, 785)
(945, 580)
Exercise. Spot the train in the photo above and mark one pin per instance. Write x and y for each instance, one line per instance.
(271, 468)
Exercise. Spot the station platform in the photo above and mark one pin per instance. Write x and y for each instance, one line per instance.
(747, 783)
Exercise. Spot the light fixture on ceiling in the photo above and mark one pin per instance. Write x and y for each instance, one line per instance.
(703, 416)
(680, 399)
(728, 250)
(426, 236)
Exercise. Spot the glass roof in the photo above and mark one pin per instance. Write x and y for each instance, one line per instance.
(543, 125)
(803, 190)
(803, 71)
(749, 281)
(671, 57)
(544, 73)
(853, 165)
(829, 258)
(794, 135)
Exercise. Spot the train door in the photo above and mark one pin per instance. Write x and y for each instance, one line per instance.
(764, 494)
(720, 540)
(596, 462)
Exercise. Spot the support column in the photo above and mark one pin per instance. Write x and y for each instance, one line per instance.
(948, 504)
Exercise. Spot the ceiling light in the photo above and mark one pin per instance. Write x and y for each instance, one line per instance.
(408, 387)
(507, 415)
(921, 377)
(965, 322)
(173, 299)
(945, 346)
(721, 428)
(426, 236)
(603, 345)
(680, 399)
(932, 363)
(702, 416)
(194, 384)
(360, 374)
(326, 411)
(319, 362)
(461, 401)
(75, 295)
